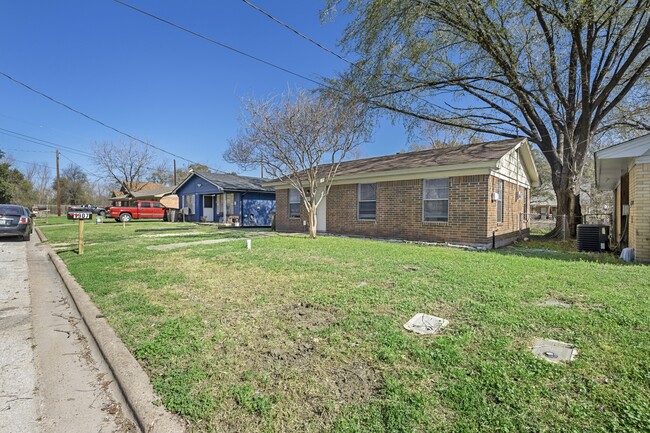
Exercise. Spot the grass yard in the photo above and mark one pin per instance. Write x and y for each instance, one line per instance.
(299, 335)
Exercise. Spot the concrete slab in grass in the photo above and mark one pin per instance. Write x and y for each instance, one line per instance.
(556, 303)
(554, 351)
(425, 324)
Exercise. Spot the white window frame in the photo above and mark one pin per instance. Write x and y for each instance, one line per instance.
(499, 200)
(294, 202)
(359, 201)
(424, 186)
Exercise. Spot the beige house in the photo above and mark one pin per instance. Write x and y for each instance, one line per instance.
(625, 169)
(477, 194)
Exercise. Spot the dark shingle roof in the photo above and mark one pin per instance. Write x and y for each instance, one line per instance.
(471, 153)
(233, 182)
(456, 155)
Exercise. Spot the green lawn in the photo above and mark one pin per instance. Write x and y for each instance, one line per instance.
(299, 335)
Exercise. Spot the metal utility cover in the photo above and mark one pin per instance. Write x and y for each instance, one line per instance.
(425, 324)
(554, 351)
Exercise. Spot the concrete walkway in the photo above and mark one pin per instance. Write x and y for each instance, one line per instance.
(205, 242)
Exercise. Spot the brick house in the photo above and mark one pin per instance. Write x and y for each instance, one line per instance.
(625, 169)
(477, 194)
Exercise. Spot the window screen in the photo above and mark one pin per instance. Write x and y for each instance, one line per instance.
(435, 200)
(294, 203)
(367, 202)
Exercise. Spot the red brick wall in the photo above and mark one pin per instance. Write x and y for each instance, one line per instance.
(507, 231)
(472, 214)
(282, 221)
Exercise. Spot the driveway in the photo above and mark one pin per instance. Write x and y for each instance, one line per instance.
(52, 377)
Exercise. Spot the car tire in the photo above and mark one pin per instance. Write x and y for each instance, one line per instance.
(27, 237)
(125, 217)
(102, 213)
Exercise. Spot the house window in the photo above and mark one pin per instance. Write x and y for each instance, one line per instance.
(500, 202)
(435, 200)
(367, 199)
(294, 203)
(525, 204)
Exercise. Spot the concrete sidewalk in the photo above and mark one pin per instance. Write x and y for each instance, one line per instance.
(53, 378)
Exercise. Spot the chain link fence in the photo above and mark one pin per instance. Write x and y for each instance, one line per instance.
(541, 224)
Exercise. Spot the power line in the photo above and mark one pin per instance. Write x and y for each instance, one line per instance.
(80, 167)
(222, 45)
(42, 142)
(27, 150)
(302, 35)
(338, 56)
(97, 120)
(30, 163)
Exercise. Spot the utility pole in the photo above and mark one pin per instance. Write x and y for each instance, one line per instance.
(174, 172)
(58, 186)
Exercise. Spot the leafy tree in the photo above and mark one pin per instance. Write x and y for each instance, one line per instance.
(560, 73)
(14, 188)
(302, 139)
(75, 188)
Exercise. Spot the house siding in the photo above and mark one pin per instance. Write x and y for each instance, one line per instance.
(253, 208)
(513, 225)
(472, 214)
(639, 230)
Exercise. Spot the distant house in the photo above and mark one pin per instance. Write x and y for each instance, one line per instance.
(133, 191)
(625, 169)
(543, 209)
(226, 198)
(476, 194)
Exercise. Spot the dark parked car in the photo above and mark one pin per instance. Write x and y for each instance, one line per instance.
(16, 220)
(87, 208)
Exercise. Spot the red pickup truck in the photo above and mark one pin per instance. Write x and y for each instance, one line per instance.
(138, 210)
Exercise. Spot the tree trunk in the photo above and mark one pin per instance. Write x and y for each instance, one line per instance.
(311, 210)
(568, 215)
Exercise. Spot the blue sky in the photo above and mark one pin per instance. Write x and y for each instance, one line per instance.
(155, 82)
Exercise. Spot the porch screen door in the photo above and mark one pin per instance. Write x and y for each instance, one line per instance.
(208, 205)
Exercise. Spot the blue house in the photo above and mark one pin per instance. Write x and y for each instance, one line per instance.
(226, 198)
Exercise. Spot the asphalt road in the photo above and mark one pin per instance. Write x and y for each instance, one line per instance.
(52, 377)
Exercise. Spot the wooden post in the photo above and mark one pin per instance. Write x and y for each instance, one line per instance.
(81, 237)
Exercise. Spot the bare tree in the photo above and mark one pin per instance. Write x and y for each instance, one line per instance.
(301, 139)
(559, 73)
(122, 162)
(40, 177)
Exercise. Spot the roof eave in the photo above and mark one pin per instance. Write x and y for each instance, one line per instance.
(485, 166)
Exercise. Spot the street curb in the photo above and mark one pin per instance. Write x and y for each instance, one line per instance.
(131, 378)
